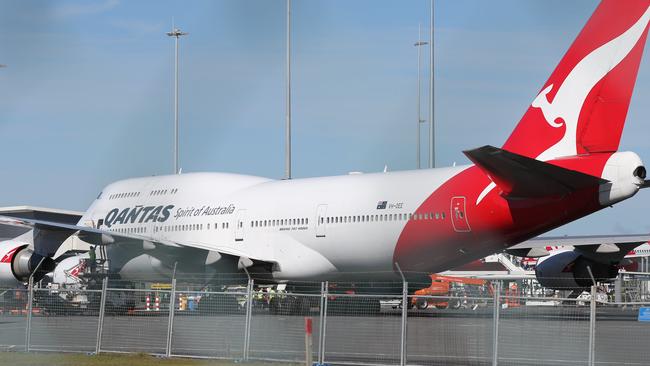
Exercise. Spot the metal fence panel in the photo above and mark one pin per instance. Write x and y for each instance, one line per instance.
(65, 320)
(209, 324)
(450, 331)
(278, 326)
(363, 329)
(456, 329)
(13, 319)
(543, 331)
(621, 339)
(130, 327)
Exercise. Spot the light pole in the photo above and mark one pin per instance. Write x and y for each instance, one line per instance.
(432, 140)
(287, 157)
(418, 44)
(176, 33)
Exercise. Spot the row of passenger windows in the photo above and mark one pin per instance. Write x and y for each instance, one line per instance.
(191, 227)
(159, 192)
(383, 217)
(123, 195)
(131, 230)
(170, 228)
(278, 222)
(284, 222)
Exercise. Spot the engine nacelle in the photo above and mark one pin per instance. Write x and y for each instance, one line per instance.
(18, 261)
(8, 253)
(570, 271)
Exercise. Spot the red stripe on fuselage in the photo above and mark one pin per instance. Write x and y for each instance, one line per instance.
(496, 223)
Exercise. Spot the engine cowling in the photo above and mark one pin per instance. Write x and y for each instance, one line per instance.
(570, 271)
(8, 253)
(18, 261)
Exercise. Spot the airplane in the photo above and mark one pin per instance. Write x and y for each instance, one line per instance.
(560, 163)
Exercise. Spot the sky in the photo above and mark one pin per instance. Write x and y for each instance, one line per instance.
(87, 94)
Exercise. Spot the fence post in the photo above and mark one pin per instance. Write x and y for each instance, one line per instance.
(309, 341)
(102, 311)
(30, 305)
(30, 301)
(405, 309)
(249, 317)
(323, 322)
(170, 324)
(618, 285)
(592, 325)
(495, 328)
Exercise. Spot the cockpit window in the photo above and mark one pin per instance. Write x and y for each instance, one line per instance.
(100, 195)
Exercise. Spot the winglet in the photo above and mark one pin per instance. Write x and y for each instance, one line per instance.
(521, 177)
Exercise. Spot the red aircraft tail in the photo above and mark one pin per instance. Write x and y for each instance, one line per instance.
(582, 107)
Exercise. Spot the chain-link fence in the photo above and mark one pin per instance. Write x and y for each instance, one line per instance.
(475, 323)
(13, 312)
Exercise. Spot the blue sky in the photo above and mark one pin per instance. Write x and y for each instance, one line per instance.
(87, 96)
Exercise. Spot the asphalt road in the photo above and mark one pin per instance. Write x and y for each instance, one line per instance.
(527, 336)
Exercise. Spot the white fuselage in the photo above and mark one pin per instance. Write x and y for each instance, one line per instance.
(311, 227)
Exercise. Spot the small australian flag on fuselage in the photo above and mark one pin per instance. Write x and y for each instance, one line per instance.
(381, 205)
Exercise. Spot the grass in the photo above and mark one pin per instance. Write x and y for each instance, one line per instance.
(70, 359)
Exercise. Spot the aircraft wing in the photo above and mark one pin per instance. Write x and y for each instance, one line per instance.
(588, 244)
(31, 212)
(49, 235)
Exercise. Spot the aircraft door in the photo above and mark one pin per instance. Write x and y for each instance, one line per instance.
(321, 220)
(240, 225)
(459, 214)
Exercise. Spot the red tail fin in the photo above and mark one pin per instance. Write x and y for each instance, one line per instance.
(583, 105)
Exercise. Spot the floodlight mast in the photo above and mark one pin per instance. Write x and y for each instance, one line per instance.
(418, 44)
(176, 33)
(432, 126)
(287, 137)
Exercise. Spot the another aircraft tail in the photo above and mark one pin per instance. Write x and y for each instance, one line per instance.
(582, 107)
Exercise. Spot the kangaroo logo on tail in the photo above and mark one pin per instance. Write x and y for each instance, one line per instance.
(565, 108)
(570, 97)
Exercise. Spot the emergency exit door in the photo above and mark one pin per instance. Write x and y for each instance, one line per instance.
(240, 226)
(321, 221)
(459, 214)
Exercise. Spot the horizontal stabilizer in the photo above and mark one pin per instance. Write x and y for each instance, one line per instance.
(522, 177)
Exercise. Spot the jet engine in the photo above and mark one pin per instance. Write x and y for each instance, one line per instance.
(18, 261)
(570, 271)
